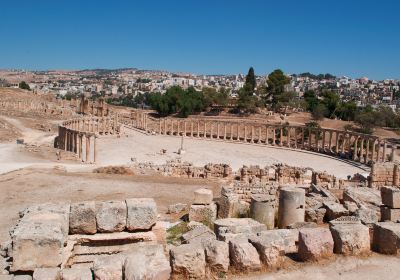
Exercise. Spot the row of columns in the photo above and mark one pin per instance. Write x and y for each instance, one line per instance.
(81, 143)
(354, 146)
(99, 125)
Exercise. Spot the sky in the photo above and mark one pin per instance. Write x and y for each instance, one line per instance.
(353, 37)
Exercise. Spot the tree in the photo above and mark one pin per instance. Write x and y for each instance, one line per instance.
(347, 111)
(250, 83)
(311, 99)
(276, 86)
(246, 102)
(24, 85)
(319, 112)
(330, 101)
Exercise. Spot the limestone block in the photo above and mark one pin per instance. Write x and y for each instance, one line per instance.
(203, 213)
(76, 273)
(386, 238)
(391, 196)
(334, 210)
(47, 274)
(111, 216)
(315, 243)
(108, 268)
(390, 214)
(315, 215)
(82, 218)
(226, 229)
(199, 234)
(217, 255)
(270, 247)
(37, 243)
(147, 262)
(350, 239)
(244, 256)
(21, 277)
(367, 215)
(188, 262)
(203, 196)
(142, 213)
(176, 208)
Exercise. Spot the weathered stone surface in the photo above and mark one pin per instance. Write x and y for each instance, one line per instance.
(142, 213)
(6, 277)
(108, 268)
(225, 229)
(22, 277)
(205, 214)
(200, 234)
(217, 255)
(203, 196)
(386, 238)
(244, 256)
(351, 206)
(39, 237)
(315, 243)
(147, 262)
(315, 215)
(111, 216)
(77, 273)
(391, 196)
(188, 262)
(176, 208)
(367, 215)
(350, 239)
(270, 247)
(82, 218)
(47, 274)
(334, 210)
(390, 214)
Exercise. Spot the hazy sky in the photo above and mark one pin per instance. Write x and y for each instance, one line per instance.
(353, 37)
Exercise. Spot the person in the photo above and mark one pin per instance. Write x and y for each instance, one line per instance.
(58, 154)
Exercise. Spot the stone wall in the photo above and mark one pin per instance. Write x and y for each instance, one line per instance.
(384, 174)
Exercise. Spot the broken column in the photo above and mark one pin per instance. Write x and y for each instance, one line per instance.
(291, 206)
(262, 209)
(203, 209)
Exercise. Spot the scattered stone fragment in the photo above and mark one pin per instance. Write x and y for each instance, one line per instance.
(391, 196)
(76, 273)
(244, 256)
(315, 215)
(367, 216)
(188, 262)
(225, 229)
(111, 216)
(47, 274)
(142, 213)
(82, 218)
(176, 208)
(334, 210)
(350, 239)
(217, 255)
(147, 262)
(108, 268)
(315, 244)
(200, 234)
(270, 247)
(386, 238)
(205, 214)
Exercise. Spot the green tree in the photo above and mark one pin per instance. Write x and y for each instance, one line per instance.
(347, 111)
(319, 112)
(276, 83)
(250, 83)
(246, 103)
(311, 99)
(24, 85)
(330, 101)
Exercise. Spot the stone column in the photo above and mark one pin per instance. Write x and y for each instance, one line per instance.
(291, 206)
(378, 153)
(94, 149)
(330, 141)
(262, 209)
(80, 147)
(198, 129)
(361, 158)
(191, 129)
(367, 151)
(384, 151)
(259, 135)
(281, 137)
(87, 148)
(303, 138)
(238, 130)
(224, 130)
(373, 150)
(273, 136)
(295, 137)
(323, 140)
(355, 148)
(266, 135)
(288, 136)
(245, 133)
(252, 134)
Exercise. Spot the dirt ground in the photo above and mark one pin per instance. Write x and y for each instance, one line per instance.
(26, 187)
(375, 267)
